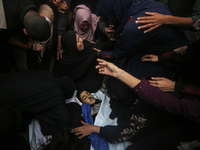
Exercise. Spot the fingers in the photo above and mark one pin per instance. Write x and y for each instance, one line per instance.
(151, 16)
(58, 54)
(111, 26)
(83, 122)
(146, 26)
(149, 30)
(37, 47)
(157, 78)
(151, 27)
(109, 30)
(78, 133)
(100, 60)
(98, 50)
(147, 58)
(156, 81)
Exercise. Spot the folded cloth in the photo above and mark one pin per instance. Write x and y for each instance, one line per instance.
(97, 142)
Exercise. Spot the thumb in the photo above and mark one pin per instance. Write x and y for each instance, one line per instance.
(83, 122)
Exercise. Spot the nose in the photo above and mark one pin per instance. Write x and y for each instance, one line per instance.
(81, 40)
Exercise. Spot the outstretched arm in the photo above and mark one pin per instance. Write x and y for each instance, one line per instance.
(108, 68)
(155, 20)
(151, 94)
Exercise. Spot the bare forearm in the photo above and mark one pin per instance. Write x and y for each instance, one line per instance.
(127, 78)
(17, 43)
(173, 20)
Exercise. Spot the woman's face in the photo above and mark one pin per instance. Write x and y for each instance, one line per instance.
(79, 43)
(84, 26)
(87, 98)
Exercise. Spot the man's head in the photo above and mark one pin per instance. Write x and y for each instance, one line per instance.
(86, 97)
(36, 26)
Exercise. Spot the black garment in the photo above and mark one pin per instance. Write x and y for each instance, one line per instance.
(10, 121)
(92, 4)
(80, 65)
(75, 111)
(38, 94)
(141, 123)
(14, 13)
(74, 63)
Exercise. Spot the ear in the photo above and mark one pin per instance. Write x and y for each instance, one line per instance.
(42, 16)
(25, 32)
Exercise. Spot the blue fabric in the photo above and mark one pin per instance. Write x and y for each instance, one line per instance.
(119, 11)
(133, 40)
(98, 143)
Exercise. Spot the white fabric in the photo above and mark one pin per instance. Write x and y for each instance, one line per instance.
(103, 119)
(73, 99)
(36, 138)
(2, 16)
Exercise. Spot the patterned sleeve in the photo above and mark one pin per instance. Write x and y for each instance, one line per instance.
(124, 131)
(188, 108)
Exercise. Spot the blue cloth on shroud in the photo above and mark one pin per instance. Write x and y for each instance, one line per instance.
(98, 143)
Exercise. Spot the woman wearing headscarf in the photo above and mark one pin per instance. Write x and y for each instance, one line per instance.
(133, 43)
(79, 60)
(85, 22)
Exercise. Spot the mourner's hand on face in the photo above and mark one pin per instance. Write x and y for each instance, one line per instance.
(110, 33)
(79, 41)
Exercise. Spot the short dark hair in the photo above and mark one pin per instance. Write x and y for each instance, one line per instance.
(37, 27)
(78, 94)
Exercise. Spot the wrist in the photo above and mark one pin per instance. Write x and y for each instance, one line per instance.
(96, 129)
(167, 19)
(173, 86)
(118, 73)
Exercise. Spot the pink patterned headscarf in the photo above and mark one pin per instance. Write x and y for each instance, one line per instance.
(83, 13)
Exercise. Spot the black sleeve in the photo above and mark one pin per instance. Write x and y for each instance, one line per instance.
(110, 133)
(63, 20)
(4, 36)
(75, 112)
(24, 6)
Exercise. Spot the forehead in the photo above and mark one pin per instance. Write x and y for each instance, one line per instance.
(84, 22)
(83, 93)
(58, 1)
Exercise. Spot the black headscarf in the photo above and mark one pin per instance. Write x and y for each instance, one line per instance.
(74, 63)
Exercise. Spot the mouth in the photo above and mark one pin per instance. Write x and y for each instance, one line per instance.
(92, 99)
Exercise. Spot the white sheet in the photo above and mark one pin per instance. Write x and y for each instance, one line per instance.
(102, 119)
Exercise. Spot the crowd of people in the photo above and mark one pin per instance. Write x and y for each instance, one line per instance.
(56, 54)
